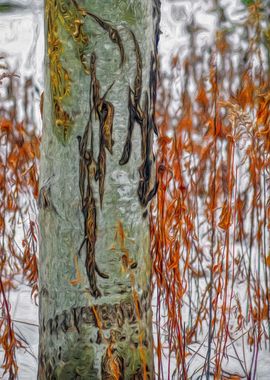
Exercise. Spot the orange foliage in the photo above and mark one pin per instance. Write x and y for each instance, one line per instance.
(210, 223)
(18, 189)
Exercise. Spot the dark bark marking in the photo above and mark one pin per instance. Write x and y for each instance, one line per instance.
(106, 115)
(45, 198)
(105, 112)
(112, 31)
(146, 123)
(89, 212)
(101, 172)
(145, 170)
(110, 316)
(90, 223)
(113, 34)
(60, 353)
(138, 75)
(133, 117)
(139, 375)
(88, 167)
(66, 321)
(153, 90)
(95, 85)
(134, 96)
(76, 319)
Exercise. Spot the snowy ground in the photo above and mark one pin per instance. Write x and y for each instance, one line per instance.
(25, 318)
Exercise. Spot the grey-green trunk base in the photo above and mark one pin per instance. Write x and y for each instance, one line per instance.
(76, 347)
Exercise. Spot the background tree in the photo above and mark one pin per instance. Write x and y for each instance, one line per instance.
(97, 178)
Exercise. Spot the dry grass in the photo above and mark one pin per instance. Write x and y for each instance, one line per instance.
(210, 224)
(19, 154)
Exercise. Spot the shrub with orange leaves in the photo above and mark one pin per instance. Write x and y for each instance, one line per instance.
(19, 154)
(210, 223)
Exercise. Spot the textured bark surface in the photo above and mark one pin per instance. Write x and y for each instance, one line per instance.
(97, 178)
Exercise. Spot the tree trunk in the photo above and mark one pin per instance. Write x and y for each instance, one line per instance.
(97, 179)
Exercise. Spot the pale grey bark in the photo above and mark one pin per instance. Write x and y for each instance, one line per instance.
(83, 335)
